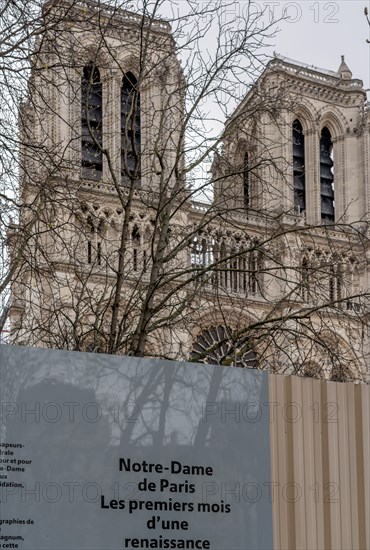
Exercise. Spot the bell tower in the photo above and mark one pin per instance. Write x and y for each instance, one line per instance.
(105, 86)
(102, 144)
(310, 145)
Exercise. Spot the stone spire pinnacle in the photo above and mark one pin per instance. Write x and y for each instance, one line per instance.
(344, 71)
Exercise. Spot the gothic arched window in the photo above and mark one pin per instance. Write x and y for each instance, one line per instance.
(326, 176)
(246, 184)
(254, 272)
(91, 123)
(299, 168)
(136, 242)
(130, 129)
(94, 241)
(305, 279)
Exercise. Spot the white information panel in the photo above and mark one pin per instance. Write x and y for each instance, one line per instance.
(106, 452)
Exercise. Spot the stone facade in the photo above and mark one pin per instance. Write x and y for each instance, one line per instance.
(272, 273)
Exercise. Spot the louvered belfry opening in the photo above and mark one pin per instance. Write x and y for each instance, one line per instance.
(299, 168)
(327, 176)
(91, 123)
(130, 130)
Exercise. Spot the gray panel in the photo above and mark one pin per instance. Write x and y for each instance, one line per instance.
(197, 434)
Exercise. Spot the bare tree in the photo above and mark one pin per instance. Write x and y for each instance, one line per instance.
(22, 30)
(141, 227)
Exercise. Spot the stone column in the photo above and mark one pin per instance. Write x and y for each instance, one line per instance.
(312, 164)
(366, 167)
(112, 125)
(339, 180)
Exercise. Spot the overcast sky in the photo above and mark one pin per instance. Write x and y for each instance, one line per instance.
(314, 32)
(319, 32)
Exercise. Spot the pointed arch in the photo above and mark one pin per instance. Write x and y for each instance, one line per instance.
(91, 122)
(306, 113)
(333, 120)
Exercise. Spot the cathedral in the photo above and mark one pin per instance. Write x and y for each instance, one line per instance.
(259, 262)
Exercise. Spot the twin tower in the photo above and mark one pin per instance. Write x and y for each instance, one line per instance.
(106, 154)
